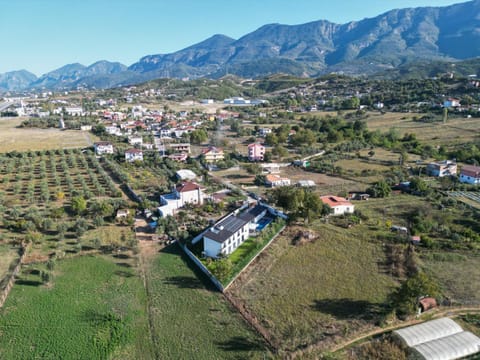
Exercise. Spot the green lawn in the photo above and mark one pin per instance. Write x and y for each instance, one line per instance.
(192, 321)
(94, 309)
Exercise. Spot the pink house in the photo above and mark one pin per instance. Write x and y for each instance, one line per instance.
(256, 152)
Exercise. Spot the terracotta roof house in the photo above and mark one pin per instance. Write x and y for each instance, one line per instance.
(338, 204)
(276, 180)
(213, 154)
(470, 174)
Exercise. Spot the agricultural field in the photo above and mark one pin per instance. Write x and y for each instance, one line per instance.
(37, 191)
(92, 308)
(455, 131)
(25, 139)
(468, 197)
(190, 319)
(49, 176)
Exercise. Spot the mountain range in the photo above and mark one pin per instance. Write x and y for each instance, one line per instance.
(369, 46)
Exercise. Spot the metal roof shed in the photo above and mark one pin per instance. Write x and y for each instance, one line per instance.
(428, 331)
(441, 339)
(450, 347)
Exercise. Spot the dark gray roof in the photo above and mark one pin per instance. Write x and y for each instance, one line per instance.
(252, 213)
(225, 228)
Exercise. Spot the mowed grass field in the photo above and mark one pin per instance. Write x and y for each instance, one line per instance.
(455, 131)
(95, 308)
(24, 139)
(322, 291)
(191, 321)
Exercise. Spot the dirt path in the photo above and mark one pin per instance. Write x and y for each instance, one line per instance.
(148, 250)
(441, 312)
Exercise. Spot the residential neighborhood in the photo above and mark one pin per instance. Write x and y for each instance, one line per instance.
(307, 213)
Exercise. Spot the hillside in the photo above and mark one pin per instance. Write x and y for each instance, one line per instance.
(387, 41)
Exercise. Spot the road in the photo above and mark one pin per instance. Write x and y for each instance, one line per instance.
(6, 105)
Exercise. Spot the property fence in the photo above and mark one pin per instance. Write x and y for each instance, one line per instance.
(202, 267)
(253, 259)
(8, 287)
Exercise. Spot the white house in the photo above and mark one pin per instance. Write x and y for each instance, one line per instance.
(132, 155)
(442, 168)
(185, 174)
(338, 204)
(113, 130)
(135, 140)
(74, 111)
(272, 180)
(470, 175)
(229, 233)
(184, 193)
(264, 132)
(103, 147)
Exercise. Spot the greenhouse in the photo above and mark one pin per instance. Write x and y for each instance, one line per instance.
(441, 339)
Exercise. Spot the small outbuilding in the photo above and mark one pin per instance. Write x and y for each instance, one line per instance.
(440, 339)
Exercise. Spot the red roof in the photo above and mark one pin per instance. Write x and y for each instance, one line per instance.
(187, 186)
(213, 149)
(133, 151)
(103, 143)
(427, 303)
(470, 170)
(334, 201)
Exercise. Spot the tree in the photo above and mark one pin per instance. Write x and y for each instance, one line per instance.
(271, 139)
(198, 136)
(380, 189)
(406, 297)
(79, 205)
(312, 206)
(419, 186)
(253, 169)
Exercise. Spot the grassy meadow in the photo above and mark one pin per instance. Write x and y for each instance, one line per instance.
(93, 308)
(319, 291)
(190, 319)
(24, 139)
(455, 131)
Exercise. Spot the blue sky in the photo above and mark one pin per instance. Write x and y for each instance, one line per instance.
(42, 35)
